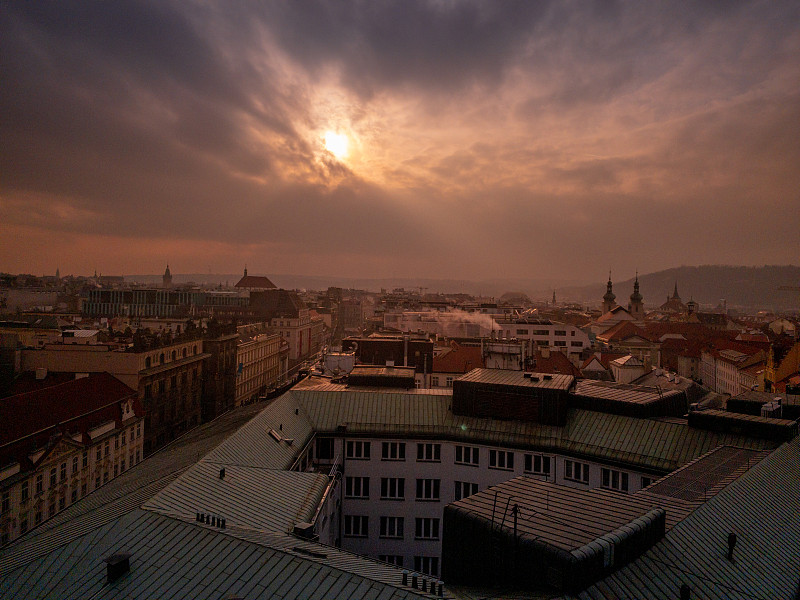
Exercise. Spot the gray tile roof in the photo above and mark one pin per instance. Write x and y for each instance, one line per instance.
(518, 378)
(644, 443)
(174, 559)
(761, 507)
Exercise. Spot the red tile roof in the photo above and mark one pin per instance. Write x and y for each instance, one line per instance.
(458, 359)
(32, 419)
(622, 331)
(255, 282)
(556, 363)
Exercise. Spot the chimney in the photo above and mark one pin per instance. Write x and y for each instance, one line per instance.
(117, 565)
(686, 592)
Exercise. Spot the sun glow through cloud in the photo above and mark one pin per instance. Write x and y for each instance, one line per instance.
(336, 144)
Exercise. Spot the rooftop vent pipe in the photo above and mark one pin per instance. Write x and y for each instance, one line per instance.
(731, 545)
(117, 565)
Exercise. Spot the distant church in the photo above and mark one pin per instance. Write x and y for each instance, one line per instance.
(166, 279)
(614, 314)
(674, 304)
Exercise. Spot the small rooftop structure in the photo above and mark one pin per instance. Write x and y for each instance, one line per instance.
(378, 376)
(628, 399)
(531, 534)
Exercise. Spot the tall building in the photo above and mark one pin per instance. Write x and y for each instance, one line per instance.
(636, 305)
(166, 279)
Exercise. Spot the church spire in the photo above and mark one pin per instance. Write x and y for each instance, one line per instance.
(609, 297)
(245, 270)
(675, 293)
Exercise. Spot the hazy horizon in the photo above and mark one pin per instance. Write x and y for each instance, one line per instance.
(444, 140)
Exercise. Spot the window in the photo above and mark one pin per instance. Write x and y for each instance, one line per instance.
(559, 343)
(646, 481)
(37, 517)
(75, 465)
(124, 439)
(24, 492)
(434, 382)
(429, 565)
(52, 477)
(464, 489)
(97, 482)
(122, 466)
(23, 525)
(428, 489)
(107, 448)
(538, 464)
(393, 488)
(426, 529)
(62, 503)
(391, 527)
(73, 497)
(615, 480)
(137, 457)
(63, 471)
(116, 442)
(355, 525)
(83, 490)
(392, 559)
(501, 459)
(39, 484)
(85, 462)
(105, 477)
(522, 332)
(99, 453)
(448, 382)
(356, 487)
(393, 451)
(5, 504)
(429, 452)
(576, 471)
(467, 455)
(576, 344)
(358, 450)
(561, 332)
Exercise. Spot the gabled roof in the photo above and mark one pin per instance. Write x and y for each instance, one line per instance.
(555, 362)
(622, 331)
(254, 282)
(616, 312)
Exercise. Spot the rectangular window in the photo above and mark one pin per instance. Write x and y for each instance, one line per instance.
(428, 565)
(52, 507)
(464, 489)
(23, 526)
(325, 448)
(393, 451)
(75, 465)
(99, 453)
(576, 344)
(428, 489)
(122, 466)
(124, 438)
(5, 505)
(429, 452)
(62, 503)
(561, 332)
(537, 464)
(615, 480)
(107, 448)
(24, 491)
(434, 382)
(426, 529)
(391, 527)
(576, 471)
(97, 482)
(63, 471)
(83, 490)
(448, 382)
(392, 559)
(37, 517)
(646, 481)
(467, 455)
(53, 477)
(522, 332)
(39, 484)
(559, 343)
(73, 497)
(355, 525)
(357, 450)
(393, 488)
(356, 487)
(501, 459)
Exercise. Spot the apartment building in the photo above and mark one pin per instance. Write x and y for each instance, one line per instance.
(541, 334)
(82, 434)
(260, 362)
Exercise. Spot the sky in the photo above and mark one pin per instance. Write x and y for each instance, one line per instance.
(440, 139)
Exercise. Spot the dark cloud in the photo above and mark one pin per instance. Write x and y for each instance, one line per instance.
(557, 135)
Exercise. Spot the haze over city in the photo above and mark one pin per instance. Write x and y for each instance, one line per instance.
(398, 139)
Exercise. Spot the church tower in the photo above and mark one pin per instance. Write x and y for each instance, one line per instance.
(636, 306)
(609, 297)
(166, 280)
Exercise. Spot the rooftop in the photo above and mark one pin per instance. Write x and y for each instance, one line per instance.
(518, 379)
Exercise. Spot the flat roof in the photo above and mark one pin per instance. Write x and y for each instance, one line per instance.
(518, 379)
(622, 392)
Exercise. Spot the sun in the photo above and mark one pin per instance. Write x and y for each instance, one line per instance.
(336, 144)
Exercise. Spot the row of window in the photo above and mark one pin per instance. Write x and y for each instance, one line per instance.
(465, 455)
(391, 527)
(393, 488)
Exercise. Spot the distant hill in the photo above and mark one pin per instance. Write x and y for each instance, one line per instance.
(745, 288)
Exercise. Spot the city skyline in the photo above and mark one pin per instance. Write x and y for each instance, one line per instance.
(430, 139)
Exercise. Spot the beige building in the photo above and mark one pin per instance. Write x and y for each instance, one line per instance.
(168, 379)
(260, 363)
(85, 432)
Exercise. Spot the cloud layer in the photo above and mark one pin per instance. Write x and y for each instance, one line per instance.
(522, 139)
